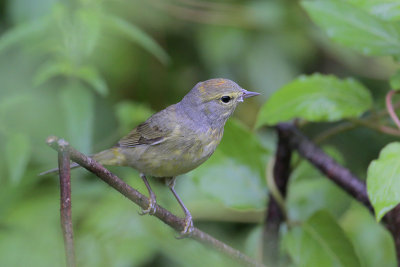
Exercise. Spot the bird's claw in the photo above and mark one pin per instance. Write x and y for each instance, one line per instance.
(188, 230)
(151, 209)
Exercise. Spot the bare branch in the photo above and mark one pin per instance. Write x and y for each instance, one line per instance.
(275, 216)
(135, 196)
(65, 205)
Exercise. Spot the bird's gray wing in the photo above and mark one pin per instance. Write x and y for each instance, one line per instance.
(154, 131)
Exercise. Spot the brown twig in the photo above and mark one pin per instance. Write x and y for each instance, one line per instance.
(135, 196)
(377, 127)
(390, 108)
(392, 219)
(65, 202)
(343, 127)
(369, 122)
(275, 216)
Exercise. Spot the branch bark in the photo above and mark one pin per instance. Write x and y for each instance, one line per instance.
(65, 203)
(328, 166)
(274, 215)
(135, 196)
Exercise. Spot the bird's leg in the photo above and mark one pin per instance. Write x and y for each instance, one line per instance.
(188, 217)
(151, 209)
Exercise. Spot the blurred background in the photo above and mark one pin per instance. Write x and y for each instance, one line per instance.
(91, 70)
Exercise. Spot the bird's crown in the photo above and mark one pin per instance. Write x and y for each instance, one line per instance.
(216, 88)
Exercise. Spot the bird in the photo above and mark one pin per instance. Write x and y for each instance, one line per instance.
(177, 139)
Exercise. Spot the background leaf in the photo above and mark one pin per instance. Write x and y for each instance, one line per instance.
(320, 241)
(23, 32)
(131, 114)
(384, 9)
(93, 78)
(18, 152)
(239, 161)
(316, 98)
(383, 180)
(353, 27)
(309, 191)
(367, 235)
(136, 35)
(78, 107)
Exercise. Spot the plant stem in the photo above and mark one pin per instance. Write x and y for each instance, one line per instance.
(390, 108)
(276, 212)
(379, 128)
(65, 203)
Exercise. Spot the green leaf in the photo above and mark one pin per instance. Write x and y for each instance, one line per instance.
(253, 244)
(136, 35)
(309, 191)
(77, 103)
(383, 180)
(235, 175)
(18, 152)
(19, 34)
(130, 114)
(93, 78)
(395, 81)
(316, 98)
(320, 241)
(33, 226)
(111, 230)
(353, 27)
(384, 9)
(88, 74)
(87, 29)
(367, 235)
(50, 70)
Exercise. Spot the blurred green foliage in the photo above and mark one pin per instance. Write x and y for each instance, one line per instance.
(90, 70)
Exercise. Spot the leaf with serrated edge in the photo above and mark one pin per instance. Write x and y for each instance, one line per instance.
(316, 98)
(353, 27)
(383, 180)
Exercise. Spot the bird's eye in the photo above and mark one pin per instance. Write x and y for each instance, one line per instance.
(226, 99)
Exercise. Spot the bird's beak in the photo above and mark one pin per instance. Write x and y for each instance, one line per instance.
(248, 94)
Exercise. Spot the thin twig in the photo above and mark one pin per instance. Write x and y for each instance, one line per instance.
(65, 203)
(135, 196)
(353, 123)
(377, 127)
(275, 214)
(383, 112)
(273, 189)
(390, 108)
(323, 136)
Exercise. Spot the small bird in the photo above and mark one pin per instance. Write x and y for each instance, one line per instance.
(177, 139)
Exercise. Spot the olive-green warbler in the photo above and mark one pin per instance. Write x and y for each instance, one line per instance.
(179, 138)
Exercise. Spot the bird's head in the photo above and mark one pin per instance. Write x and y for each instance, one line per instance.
(216, 99)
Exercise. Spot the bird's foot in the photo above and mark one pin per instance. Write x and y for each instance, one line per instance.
(189, 228)
(151, 209)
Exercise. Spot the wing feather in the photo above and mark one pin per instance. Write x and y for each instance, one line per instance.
(153, 131)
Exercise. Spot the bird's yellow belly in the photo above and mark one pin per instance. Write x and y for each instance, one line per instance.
(167, 160)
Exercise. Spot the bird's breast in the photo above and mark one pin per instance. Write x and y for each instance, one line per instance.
(177, 155)
(209, 142)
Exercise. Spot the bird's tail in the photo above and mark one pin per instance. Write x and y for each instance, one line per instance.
(110, 156)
